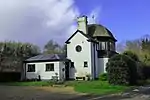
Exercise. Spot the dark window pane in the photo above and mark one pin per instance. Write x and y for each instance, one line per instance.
(78, 48)
(31, 68)
(72, 64)
(102, 53)
(85, 64)
(49, 67)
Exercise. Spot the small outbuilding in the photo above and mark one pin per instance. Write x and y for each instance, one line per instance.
(45, 67)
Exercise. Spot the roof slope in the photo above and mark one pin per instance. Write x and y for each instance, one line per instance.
(47, 57)
(95, 30)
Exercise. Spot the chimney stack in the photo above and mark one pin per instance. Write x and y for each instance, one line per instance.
(82, 24)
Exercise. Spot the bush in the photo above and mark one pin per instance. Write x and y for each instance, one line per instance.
(103, 77)
(146, 71)
(132, 55)
(140, 67)
(121, 70)
(139, 64)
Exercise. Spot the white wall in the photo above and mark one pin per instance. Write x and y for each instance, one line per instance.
(94, 71)
(40, 70)
(79, 57)
(62, 73)
(102, 65)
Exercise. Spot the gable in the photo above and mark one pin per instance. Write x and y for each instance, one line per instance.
(89, 39)
(77, 32)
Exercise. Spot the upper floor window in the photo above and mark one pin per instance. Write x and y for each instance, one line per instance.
(31, 68)
(78, 48)
(106, 46)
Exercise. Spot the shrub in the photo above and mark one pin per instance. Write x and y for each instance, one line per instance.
(132, 55)
(140, 67)
(146, 71)
(139, 64)
(103, 77)
(121, 70)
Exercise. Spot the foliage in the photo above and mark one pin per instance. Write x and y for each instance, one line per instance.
(141, 48)
(146, 71)
(145, 47)
(12, 54)
(132, 55)
(96, 87)
(53, 47)
(103, 77)
(121, 69)
(35, 83)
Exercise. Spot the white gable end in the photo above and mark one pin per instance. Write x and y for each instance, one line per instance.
(79, 58)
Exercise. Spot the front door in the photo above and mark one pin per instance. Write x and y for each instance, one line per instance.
(67, 70)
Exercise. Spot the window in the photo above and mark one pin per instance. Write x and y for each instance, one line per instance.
(49, 67)
(85, 64)
(102, 53)
(31, 68)
(72, 64)
(103, 46)
(78, 48)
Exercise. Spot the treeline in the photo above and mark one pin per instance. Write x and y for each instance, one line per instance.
(12, 54)
(141, 47)
(132, 65)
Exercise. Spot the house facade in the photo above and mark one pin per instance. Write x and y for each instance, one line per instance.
(89, 49)
(87, 53)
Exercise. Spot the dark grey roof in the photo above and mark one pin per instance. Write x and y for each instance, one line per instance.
(47, 57)
(95, 30)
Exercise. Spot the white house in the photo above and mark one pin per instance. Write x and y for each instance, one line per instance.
(88, 51)
(45, 66)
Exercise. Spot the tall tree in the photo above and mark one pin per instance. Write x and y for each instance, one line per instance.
(53, 47)
(12, 54)
(145, 47)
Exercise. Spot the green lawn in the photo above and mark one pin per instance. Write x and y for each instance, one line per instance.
(96, 87)
(36, 83)
(92, 87)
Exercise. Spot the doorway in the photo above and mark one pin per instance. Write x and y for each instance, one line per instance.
(67, 70)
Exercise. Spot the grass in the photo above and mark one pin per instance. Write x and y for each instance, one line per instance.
(92, 87)
(96, 87)
(35, 83)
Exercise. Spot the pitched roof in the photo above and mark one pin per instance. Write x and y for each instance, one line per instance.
(87, 36)
(47, 57)
(95, 30)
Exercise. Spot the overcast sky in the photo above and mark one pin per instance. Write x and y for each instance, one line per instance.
(38, 21)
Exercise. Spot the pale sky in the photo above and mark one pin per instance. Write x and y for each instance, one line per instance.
(38, 21)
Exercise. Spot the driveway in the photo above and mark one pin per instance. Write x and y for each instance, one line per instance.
(41, 93)
(67, 93)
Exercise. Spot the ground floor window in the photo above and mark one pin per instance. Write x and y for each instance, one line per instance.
(85, 64)
(49, 67)
(31, 68)
(72, 64)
